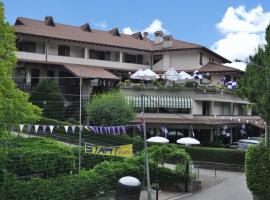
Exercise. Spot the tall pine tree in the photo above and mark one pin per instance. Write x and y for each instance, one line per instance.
(14, 105)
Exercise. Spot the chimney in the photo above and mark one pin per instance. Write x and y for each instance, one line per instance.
(158, 37)
(49, 21)
(145, 35)
(86, 27)
(167, 41)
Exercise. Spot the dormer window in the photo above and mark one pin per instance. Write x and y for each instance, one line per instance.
(138, 36)
(18, 22)
(86, 27)
(115, 32)
(49, 21)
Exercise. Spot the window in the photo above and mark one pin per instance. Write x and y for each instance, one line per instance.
(50, 73)
(201, 58)
(34, 77)
(99, 55)
(131, 58)
(19, 75)
(27, 46)
(157, 58)
(205, 108)
(226, 108)
(63, 50)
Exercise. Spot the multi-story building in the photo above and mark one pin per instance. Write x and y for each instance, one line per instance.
(102, 58)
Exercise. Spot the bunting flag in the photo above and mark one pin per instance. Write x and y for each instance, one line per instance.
(21, 127)
(123, 129)
(113, 129)
(73, 128)
(44, 128)
(139, 127)
(66, 128)
(51, 128)
(36, 128)
(109, 130)
(118, 130)
(101, 130)
(29, 128)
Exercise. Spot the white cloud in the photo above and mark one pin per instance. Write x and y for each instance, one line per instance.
(243, 32)
(128, 30)
(101, 24)
(156, 25)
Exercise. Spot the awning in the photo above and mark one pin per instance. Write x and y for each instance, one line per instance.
(159, 101)
(90, 72)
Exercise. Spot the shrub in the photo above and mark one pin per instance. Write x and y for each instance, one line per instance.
(110, 109)
(193, 84)
(47, 97)
(219, 155)
(258, 171)
(32, 156)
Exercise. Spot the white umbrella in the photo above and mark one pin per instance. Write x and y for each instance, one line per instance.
(149, 75)
(157, 139)
(171, 74)
(137, 75)
(188, 141)
(183, 75)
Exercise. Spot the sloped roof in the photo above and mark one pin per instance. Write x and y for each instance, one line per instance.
(215, 67)
(75, 33)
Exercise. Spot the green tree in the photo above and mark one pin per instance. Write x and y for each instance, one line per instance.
(14, 105)
(109, 109)
(255, 84)
(47, 97)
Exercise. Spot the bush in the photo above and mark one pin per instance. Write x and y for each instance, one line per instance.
(47, 97)
(193, 84)
(258, 171)
(25, 157)
(219, 155)
(109, 110)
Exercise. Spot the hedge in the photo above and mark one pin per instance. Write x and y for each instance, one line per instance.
(218, 155)
(90, 184)
(258, 171)
(32, 156)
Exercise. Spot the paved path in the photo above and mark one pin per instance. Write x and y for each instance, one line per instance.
(227, 186)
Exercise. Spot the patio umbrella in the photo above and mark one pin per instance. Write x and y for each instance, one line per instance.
(188, 141)
(137, 75)
(149, 75)
(183, 76)
(171, 74)
(157, 139)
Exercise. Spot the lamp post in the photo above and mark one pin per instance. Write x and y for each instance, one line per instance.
(267, 90)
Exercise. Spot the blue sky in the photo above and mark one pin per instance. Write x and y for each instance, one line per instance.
(193, 20)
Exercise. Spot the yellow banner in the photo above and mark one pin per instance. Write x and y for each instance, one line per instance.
(122, 151)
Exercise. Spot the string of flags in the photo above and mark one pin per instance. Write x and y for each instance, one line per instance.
(102, 130)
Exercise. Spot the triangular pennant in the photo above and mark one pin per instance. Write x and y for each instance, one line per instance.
(29, 128)
(123, 129)
(139, 127)
(36, 128)
(21, 127)
(109, 130)
(101, 130)
(113, 128)
(118, 130)
(44, 128)
(51, 128)
(105, 129)
(66, 128)
(73, 128)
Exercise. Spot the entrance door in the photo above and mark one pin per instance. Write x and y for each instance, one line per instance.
(205, 107)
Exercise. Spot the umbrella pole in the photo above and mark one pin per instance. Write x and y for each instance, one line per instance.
(146, 151)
